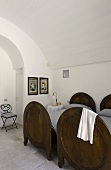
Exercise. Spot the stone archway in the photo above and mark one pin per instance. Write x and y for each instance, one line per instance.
(12, 51)
(17, 64)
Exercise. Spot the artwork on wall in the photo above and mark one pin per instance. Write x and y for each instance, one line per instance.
(32, 85)
(43, 82)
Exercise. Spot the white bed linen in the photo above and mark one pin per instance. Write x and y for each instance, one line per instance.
(55, 117)
(56, 114)
(54, 108)
(107, 121)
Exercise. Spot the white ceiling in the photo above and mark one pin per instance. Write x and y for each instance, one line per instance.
(68, 32)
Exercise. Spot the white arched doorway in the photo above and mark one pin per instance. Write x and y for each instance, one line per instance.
(17, 65)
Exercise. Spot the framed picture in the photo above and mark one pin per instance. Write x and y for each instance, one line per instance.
(43, 85)
(32, 85)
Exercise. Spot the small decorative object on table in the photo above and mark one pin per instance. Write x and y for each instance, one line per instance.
(58, 103)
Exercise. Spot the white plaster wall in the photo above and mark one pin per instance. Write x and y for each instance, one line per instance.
(94, 79)
(35, 63)
(7, 81)
(12, 51)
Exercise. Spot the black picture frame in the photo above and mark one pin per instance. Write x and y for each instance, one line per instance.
(43, 85)
(32, 85)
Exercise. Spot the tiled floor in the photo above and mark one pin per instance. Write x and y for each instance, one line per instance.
(15, 156)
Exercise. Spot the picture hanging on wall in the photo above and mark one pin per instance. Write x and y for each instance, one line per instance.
(32, 85)
(43, 85)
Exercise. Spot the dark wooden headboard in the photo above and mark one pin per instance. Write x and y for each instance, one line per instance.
(106, 102)
(83, 98)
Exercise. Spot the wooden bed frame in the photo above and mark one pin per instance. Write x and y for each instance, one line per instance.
(80, 154)
(83, 98)
(37, 127)
(106, 103)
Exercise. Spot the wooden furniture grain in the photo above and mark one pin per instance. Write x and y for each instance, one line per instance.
(37, 127)
(106, 102)
(83, 98)
(81, 154)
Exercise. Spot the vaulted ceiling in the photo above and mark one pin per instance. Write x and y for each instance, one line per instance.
(68, 32)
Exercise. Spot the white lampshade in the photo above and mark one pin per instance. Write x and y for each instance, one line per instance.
(54, 99)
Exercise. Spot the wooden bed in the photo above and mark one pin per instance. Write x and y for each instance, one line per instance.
(81, 154)
(37, 127)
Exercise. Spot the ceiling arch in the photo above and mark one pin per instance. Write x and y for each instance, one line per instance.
(68, 32)
(12, 51)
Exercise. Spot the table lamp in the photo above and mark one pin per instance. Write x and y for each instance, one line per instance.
(54, 99)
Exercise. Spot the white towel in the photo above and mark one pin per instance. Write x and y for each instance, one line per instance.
(86, 125)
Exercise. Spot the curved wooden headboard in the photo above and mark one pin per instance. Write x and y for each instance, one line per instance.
(106, 102)
(81, 154)
(37, 127)
(83, 98)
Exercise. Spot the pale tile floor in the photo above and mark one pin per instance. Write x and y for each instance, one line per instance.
(15, 156)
